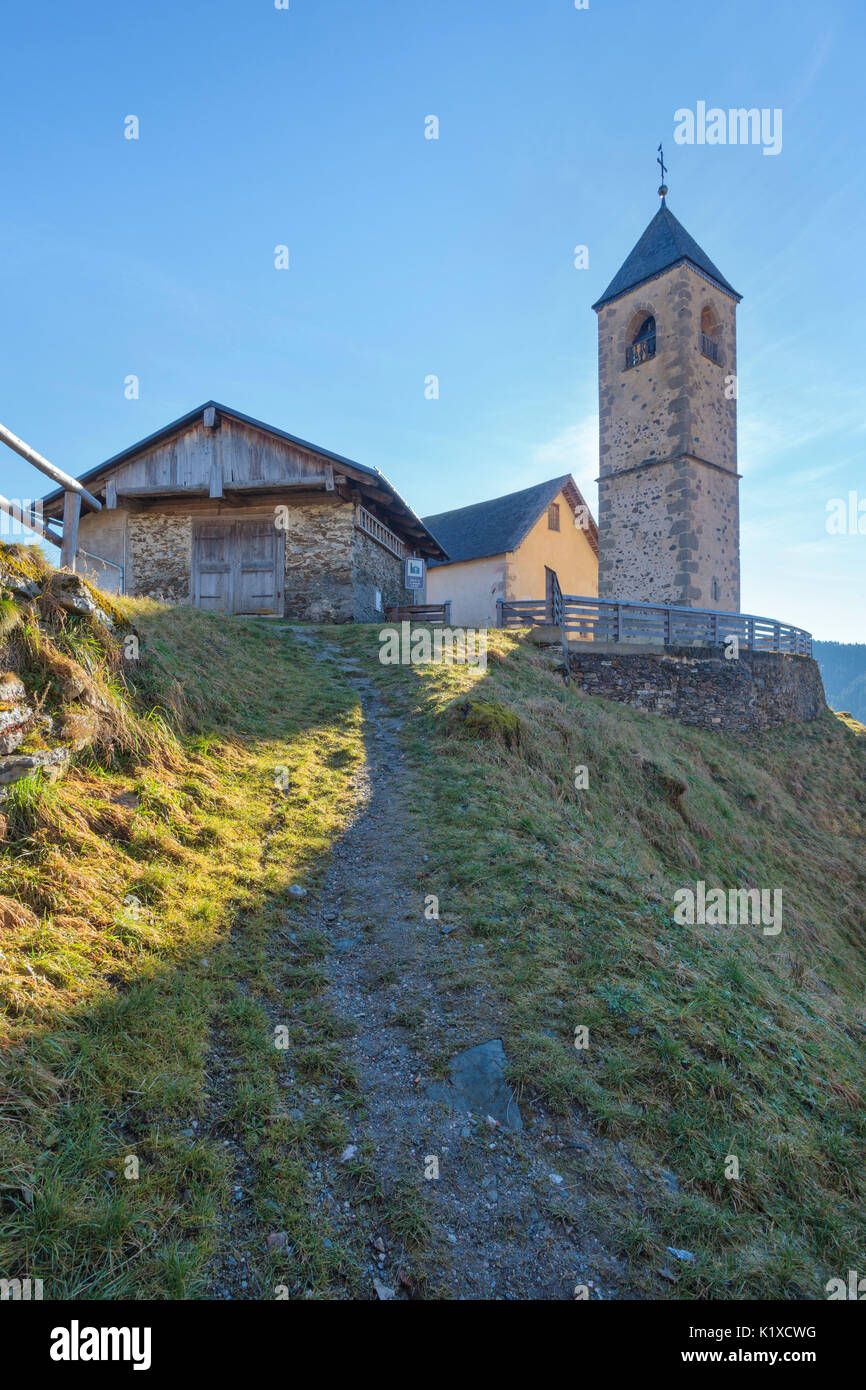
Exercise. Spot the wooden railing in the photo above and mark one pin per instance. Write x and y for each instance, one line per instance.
(74, 495)
(437, 614)
(601, 620)
(365, 521)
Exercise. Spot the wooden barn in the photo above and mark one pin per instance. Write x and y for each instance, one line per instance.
(226, 513)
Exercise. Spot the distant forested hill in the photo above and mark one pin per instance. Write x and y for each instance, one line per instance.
(843, 668)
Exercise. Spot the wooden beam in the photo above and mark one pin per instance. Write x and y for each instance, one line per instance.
(215, 451)
(71, 515)
(29, 520)
(111, 493)
(316, 482)
(216, 475)
(57, 474)
(171, 491)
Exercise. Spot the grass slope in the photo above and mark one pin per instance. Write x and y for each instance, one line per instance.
(705, 1042)
(140, 903)
(148, 957)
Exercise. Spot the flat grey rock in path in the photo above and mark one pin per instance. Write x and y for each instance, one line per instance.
(478, 1084)
(345, 944)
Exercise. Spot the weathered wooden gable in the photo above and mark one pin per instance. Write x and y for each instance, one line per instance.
(210, 461)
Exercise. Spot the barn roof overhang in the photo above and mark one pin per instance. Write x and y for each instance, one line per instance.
(371, 485)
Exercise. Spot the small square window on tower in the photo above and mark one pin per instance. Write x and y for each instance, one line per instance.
(553, 517)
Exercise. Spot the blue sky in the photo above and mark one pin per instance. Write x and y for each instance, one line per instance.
(411, 257)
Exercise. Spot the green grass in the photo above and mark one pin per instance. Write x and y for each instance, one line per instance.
(147, 960)
(142, 901)
(704, 1042)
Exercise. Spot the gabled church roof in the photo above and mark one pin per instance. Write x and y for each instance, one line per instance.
(500, 525)
(665, 243)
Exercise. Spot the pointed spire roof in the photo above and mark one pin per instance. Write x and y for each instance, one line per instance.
(665, 243)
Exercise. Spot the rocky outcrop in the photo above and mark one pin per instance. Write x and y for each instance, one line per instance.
(15, 713)
(53, 762)
(70, 593)
(29, 743)
(61, 589)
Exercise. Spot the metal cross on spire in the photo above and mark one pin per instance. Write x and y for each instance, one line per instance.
(661, 163)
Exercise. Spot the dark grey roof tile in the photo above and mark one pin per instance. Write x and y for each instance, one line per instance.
(493, 527)
(665, 243)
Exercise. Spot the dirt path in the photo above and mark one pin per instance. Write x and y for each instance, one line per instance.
(505, 1219)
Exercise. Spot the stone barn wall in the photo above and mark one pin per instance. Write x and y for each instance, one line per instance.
(332, 570)
(376, 568)
(319, 560)
(159, 555)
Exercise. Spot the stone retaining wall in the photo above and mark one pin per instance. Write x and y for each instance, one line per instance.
(757, 690)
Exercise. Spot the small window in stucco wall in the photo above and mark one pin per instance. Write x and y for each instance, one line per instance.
(553, 517)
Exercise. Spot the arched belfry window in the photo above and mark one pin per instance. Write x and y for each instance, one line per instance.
(711, 331)
(643, 344)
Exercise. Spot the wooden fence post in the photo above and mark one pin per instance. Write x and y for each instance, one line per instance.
(71, 514)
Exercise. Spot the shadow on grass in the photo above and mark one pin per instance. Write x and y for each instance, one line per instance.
(103, 1193)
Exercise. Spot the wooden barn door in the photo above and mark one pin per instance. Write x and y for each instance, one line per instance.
(258, 568)
(212, 555)
(237, 566)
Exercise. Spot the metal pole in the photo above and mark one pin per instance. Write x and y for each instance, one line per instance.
(71, 484)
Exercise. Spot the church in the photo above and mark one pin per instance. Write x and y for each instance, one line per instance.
(668, 487)
(668, 511)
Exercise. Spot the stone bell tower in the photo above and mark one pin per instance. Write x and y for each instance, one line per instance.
(668, 511)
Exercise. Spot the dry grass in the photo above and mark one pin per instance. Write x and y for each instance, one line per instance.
(139, 900)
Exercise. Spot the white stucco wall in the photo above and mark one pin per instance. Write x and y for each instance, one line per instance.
(473, 586)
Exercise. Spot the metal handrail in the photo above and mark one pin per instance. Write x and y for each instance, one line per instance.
(100, 559)
(709, 347)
